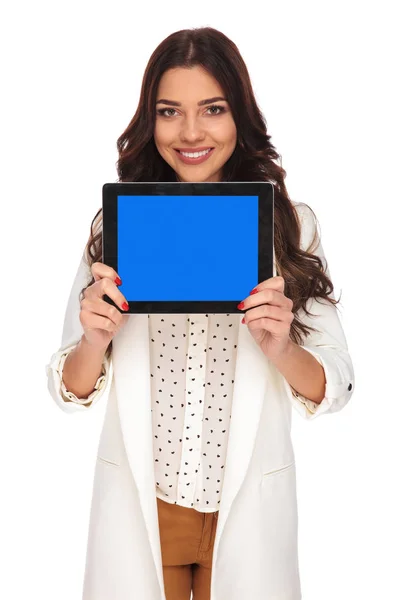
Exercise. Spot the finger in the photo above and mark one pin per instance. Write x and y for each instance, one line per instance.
(90, 320)
(267, 296)
(100, 270)
(274, 283)
(108, 287)
(103, 309)
(277, 327)
(269, 311)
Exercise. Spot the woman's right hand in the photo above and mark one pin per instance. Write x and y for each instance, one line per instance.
(100, 320)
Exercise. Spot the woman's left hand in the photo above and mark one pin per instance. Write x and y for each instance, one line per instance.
(269, 316)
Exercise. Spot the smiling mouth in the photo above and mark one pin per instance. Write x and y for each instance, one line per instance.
(194, 158)
(194, 153)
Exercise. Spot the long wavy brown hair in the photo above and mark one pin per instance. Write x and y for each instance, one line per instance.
(252, 160)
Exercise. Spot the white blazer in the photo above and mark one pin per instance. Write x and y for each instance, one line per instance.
(255, 553)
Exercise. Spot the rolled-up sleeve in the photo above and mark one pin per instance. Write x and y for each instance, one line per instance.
(71, 335)
(328, 344)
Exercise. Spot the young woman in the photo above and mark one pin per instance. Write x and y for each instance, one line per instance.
(195, 486)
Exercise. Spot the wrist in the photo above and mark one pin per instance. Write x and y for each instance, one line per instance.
(94, 350)
(280, 359)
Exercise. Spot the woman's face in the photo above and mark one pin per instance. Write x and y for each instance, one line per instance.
(189, 118)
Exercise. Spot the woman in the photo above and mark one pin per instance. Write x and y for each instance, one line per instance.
(222, 521)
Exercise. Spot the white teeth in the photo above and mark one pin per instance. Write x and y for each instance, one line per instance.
(196, 154)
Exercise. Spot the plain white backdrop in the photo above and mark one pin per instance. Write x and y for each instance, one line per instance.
(324, 75)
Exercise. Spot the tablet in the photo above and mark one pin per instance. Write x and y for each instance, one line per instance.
(188, 247)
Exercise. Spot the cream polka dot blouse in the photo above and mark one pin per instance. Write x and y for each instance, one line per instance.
(192, 366)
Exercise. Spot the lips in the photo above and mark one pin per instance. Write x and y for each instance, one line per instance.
(201, 149)
(194, 161)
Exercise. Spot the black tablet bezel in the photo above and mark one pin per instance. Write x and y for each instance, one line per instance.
(263, 189)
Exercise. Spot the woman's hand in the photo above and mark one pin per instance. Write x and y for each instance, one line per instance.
(269, 316)
(100, 320)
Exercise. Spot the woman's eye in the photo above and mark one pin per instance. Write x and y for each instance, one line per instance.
(220, 108)
(163, 111)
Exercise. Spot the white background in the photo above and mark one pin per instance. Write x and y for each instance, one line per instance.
(324, 75)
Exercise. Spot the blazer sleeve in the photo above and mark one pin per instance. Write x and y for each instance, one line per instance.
(328, 345)
(71, 335)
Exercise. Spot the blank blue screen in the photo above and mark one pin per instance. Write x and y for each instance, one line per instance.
(187, 248)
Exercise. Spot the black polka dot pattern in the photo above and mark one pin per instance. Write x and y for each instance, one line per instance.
(192, 360)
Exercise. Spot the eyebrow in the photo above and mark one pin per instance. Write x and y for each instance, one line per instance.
(201, 103)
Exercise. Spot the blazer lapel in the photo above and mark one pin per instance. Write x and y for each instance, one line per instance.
(131, 363)
(248, 395)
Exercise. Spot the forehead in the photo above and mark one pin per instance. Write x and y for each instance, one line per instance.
(188, 85)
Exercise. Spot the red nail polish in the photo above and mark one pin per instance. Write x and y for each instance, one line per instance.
(253, 292)
(243, 320)
(241, 305)
(118, 281)
(125, 306)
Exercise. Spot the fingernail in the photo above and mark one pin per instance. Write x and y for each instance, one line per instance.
(125, 306)
(241, 305)
(118, 281)
(253, 292)
(243, 320)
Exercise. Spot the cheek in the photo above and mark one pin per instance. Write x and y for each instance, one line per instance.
(163, 134)
(232, 133)
(161, 141)
(227, 135)
(158, 135)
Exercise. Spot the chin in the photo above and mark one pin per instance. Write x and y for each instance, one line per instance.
(199, 176)
(198, 179)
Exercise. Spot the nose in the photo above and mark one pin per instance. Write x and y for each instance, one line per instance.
(191, 130)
